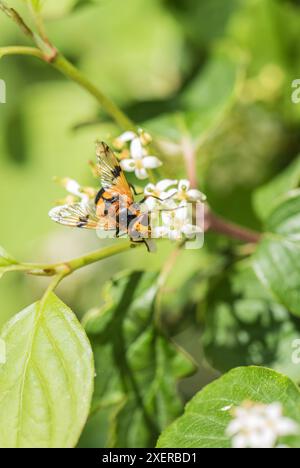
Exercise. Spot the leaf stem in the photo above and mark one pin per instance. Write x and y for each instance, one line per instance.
(51, 288)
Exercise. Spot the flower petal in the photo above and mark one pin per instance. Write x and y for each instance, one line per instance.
(136, 149)
(274, 410)
(73, 187)
(169, 204)
(234, 427)
(182, 214)
(141, 173)
(159, 232)
(174, 234)
(169, 194)
(240, 442)
(196, 195)
(184, 185)
(190, 231)
(165, 184)
(149, 189)
(128, 165)
(151, 162)
(126, 136)
(262, 438)
(167, 218)
(151, 203)
(287, 427)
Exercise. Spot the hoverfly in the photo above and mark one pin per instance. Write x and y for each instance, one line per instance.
(113, 209)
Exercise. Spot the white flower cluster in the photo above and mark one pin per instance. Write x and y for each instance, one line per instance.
(173, 203)
(257, 425)
(139, 160)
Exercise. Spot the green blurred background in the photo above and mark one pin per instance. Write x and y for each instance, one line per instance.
(219, 71)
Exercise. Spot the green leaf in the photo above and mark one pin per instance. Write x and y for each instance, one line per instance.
(205, 420)
(277, 260)
(245, 326)
(266, 198)
(46, 382)
(136, 366)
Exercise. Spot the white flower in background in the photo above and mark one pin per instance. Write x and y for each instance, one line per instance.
(185, 194)
(160, 192)
(256, 425)
(177, 223)
(74, 188)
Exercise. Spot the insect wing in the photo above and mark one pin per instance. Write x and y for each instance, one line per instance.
(112, 177)
(81, 215)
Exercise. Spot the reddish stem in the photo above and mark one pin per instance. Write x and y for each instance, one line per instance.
(220, 225)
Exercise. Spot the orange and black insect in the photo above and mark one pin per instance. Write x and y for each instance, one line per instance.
(113, 209)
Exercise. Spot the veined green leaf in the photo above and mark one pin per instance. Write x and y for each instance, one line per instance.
(137, 367)
(46, 382)
(207, 415)
(277, 260)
